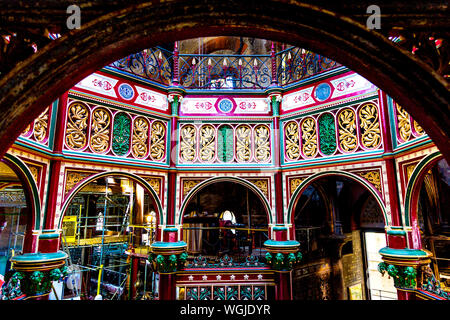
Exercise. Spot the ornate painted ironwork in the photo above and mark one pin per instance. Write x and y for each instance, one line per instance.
(121, 134)
(100, 130)
(202, 293)
(262, 143)
(158, 141)
(243, 148)
(370, 126)
(225, 71)
(207, 143)
(296, 64)
(348, 141)
(404, 277)
(309, 137)
(283, 261)
(139, 144)
(292, 148)
(168, 263)
(431, 284)
(403, 123)
(188, 143)
(19, 284)
(225, 143)
(418, 129)
(225, 262)
(373, 177)
(327, 134)
(154, 64)
(76, 128)
(40, 126)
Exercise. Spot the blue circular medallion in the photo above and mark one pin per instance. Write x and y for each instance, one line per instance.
(225, 105)
(322, 92)
(126, 91)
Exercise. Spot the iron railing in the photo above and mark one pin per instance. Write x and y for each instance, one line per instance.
(221, 71)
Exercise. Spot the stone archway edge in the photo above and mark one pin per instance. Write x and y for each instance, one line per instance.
(36, 82)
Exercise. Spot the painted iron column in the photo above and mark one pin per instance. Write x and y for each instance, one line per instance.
(282, 256)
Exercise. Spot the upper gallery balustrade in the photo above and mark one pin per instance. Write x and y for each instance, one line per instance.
(224, 71)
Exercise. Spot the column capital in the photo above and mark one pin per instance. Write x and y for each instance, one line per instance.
(411, 272)
(32, 274)
(168, 257)
(282, 255)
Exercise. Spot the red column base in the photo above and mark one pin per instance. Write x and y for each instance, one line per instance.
(283, 286)
(167, 286)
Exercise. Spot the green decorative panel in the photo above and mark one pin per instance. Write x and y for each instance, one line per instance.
(246, 293)
(232, 293)
(327, 134)
(259, 293)
(225, 143)
(219, 293)
(121, 134)
(202, 293)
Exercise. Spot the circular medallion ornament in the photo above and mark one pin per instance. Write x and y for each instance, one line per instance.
(126, 91)
(225, 105)
(322, 92)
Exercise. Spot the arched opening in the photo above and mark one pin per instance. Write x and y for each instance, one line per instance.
(16, 216)
(105, 219)
(340, 226)
(433, 218)
(225, 218)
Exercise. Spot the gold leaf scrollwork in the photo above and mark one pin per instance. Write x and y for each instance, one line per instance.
(188, 185)
(373, 177)
(26, 132)
(419, 130)
(40, 126)
(309, 137)
(243, 135)
(294, 183)
(188, 143)
(347, 130)
(158, 141)
(370, 126)
(140, 137)
(34, 171)
(155, 183)
(409, 170)
(261, 184)
(77, 117)
(73, 177)
(262, 143)
(292, 140)
(403, 123)
(100, 130)
(207, 143)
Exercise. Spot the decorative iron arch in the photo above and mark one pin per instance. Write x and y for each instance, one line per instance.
(55, 68)
(238, 180)
(308, 181)
(414, 183)
(29, 185)
(131, 176)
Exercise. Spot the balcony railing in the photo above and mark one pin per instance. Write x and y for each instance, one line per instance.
(221, 72)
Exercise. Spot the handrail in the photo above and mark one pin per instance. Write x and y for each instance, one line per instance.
(224, 71)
